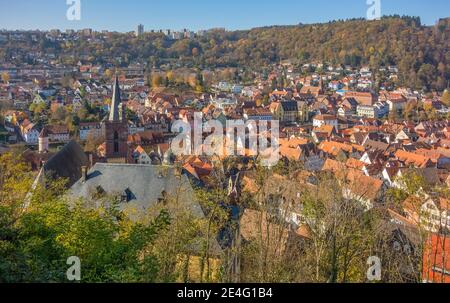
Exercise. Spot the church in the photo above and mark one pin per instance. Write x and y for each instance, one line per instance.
(116, 129)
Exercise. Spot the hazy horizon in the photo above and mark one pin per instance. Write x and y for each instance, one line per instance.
(202, 14)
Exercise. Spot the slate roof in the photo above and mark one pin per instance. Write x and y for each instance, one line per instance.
(376, 145)
(67, 163)
(289, 106)
(116, 100)
(144, 185)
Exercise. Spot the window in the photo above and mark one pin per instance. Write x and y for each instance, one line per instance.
(98, 193)
(116, 142)
(163, 198)
(126, 196)
(407, 249)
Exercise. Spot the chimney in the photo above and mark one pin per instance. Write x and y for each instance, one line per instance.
(84, 173)
(91, 160)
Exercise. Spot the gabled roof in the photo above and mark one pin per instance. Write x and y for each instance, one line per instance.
(325, 118)
(147, 185)
(333, 148)
(290, 153)
(147, 182)
(376, 145)
(44, 133)
(357, 184)
(311, 90)
(326, 129)
(354, 163)
(67, 163)
(289, 106)
(434, 154)
(139, 150)
(57, 129)
(333, 166)
(412, 159)
(293, 142)
(274, 106)
(363, 186)
(399, 219)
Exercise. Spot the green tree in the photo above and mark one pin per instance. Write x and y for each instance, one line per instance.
(446, 98)
(60, 114)
(40, 229)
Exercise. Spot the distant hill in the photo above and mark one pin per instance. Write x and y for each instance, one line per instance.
(420, 52)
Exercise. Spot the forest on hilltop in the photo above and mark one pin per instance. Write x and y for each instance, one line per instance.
(420, 52)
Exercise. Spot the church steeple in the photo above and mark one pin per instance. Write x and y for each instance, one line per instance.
(321, 86)
(116, 129)
(115, 102)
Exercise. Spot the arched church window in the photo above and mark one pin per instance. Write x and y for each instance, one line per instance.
(116, 142)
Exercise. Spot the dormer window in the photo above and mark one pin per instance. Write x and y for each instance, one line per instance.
(126, 196)
(163, 198)
(98, 193)
(100, 190)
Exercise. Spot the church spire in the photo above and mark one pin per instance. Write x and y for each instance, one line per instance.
(114, 113)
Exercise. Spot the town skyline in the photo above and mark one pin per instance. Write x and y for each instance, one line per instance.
(187, 151)
(124, 17)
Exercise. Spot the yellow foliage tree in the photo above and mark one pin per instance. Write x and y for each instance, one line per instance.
(5, 77)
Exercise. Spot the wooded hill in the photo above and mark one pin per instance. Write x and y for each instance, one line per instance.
(420, 52)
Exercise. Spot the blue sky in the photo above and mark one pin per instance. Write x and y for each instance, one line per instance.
(124, 16)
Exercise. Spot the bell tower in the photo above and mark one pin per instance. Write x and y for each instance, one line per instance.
(116, 129)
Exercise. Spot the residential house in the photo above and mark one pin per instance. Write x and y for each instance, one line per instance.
(363, 98)
(303, 111)
(397, 105)
(368, 191)
(224, 102)
(335, 85)
(338, 149)
(312, 90)
(436, 259)
(321, 120)
(47, 91)
(58, 133)
(30, 133)
(258, 114)
(433, 215)
(135, 127)
(91, 129)
(376, 111)
(413, 160)
(279, 94)
(364, 189)
(347, 107)
(140, 156)
(40, 99)
(323, 133)
(146, 138)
